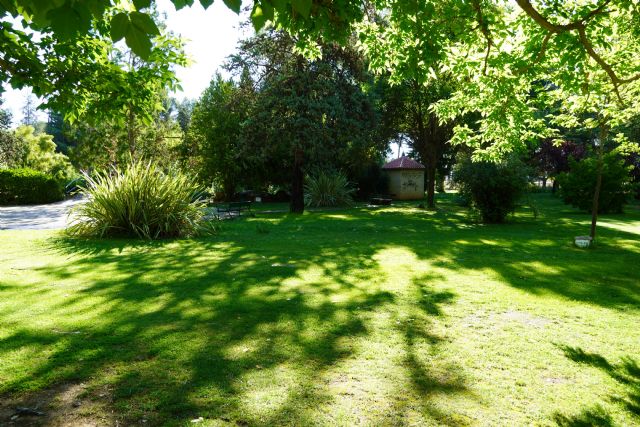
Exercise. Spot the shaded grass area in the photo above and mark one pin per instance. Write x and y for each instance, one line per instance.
(389, 316)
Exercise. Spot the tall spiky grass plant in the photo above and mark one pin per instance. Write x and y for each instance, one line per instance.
(140, 200)
(328, 188)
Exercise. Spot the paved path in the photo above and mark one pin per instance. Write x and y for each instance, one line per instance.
(36, 217)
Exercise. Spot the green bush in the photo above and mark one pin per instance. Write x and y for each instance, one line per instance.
(28, 186)
(578, 185)
(493, 189)
(24, 148)
(328, 189)
(142, 200)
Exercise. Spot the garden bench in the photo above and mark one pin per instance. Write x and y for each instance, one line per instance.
(380, 200)
(234, 209)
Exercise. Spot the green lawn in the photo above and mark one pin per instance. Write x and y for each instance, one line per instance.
(391, 316)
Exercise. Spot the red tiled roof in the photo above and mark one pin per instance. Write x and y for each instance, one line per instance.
(403, 162)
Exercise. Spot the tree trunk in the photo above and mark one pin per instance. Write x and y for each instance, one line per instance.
(228, 190)
(433, 138)
(131, 135)
(596, 193)
(555, 186)
(440, 179)
(297, 185)
(431, 184)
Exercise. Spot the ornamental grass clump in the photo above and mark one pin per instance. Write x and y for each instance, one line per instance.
(141, 200)
(326, 189)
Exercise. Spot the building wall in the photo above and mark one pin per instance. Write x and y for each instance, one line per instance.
(406, 184)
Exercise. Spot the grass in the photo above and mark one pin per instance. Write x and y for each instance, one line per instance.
(390, 316)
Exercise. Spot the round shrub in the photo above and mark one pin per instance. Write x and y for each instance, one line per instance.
(492, 188)
(328, 189)
(579, 184)
(142, 201)
(28, 186)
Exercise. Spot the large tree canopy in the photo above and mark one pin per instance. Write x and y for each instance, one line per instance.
(323, 113)
(589, 51)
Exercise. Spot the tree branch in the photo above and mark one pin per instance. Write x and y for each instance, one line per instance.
(543, 48)
(484, 28)
(580, 27)
(557, 28)
(539, 55)
(601, 62)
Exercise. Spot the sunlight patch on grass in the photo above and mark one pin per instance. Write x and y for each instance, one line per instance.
(531, 268)
(626, 226)
(344, 217)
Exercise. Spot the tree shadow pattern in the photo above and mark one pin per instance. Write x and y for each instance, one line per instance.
(232, 307)
(626, 373)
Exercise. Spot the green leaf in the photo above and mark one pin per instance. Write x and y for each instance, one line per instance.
(144, 23)
(119, 25)
(303, 7)
(234, 5)
(138, 41)
(260, 16)
(141, 4)
(97, 7)
(280, 5)
(179, 4)
(267, 10)
(68, 20)
(206, 3)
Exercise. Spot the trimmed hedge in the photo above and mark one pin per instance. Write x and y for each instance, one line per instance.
(27, 186)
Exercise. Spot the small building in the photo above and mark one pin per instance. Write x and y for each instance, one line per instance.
(406, 178)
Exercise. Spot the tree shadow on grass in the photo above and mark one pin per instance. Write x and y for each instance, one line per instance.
(424, 378)
(548, 263)
(177, 330)
(626, 373)
(535, 256)
(248, 328)
(596, 416)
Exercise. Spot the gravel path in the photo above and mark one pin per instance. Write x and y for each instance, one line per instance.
(36, 217)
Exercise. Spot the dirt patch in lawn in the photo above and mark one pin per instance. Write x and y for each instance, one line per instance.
(62, 405)
(526, 319)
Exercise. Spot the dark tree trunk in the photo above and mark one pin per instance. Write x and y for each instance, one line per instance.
(131, 134)
(297, 185)
(431, 183)
(596, 193)
(555, 186)
(596, 196)
(440, 183)
(429, 138)
(435, 137)
(229, 190)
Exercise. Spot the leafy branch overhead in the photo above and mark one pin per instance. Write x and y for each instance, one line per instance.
(580, 26)
(68, 18)
(136, 28)
(509, 59)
